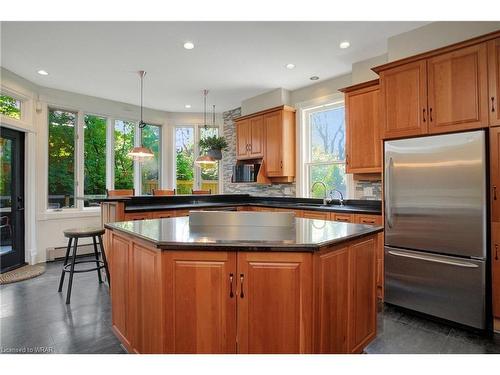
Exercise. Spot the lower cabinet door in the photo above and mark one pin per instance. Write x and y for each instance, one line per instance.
(495, 263)
(363, 298)
(200, 316)
(274, 302)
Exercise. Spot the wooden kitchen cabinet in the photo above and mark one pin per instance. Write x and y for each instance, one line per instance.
(280, 144)
(457, 86)
(495, 271)
(274, 302)
(138, 215)
(201, 314)
(363, 142)
(345, 218)
(494, 81)
(242, 138)
(495, 173)
(318, 215)
(403, 100)
(250, 138)
(363, 305)
(368, 219)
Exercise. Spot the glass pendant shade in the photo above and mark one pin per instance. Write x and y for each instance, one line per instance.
(141, 153)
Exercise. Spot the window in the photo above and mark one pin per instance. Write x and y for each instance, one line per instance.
(61, 171)
(209, 173)
(325, 157)
(124, 165)
(94, 157)
(10, 107)
(150, 169)
(184, 157)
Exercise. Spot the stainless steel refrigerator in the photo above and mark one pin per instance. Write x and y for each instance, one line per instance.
(435, 226)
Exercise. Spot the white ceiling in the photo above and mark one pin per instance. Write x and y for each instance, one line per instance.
(234, 60)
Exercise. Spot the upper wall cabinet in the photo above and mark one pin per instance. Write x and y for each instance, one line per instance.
(269, 135)
(494, 81)
(404, 100)
(450, 89)
(458, 90)
(363, 128)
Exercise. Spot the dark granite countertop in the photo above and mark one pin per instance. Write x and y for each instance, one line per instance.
(306, 235)
(180, 202)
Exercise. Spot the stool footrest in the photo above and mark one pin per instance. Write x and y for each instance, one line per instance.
(67, 267)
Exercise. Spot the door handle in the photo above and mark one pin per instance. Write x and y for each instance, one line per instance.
(242, 295)
(492, 104)
(494, 192)
(429, 258)
(231, 294)
(423, 114)
(496, 251)
(430, 114)
(388, 192)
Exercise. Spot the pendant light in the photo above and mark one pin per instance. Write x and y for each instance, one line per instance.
(205, 159)
(141, 153)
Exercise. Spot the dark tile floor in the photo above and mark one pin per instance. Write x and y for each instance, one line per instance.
(34, 317)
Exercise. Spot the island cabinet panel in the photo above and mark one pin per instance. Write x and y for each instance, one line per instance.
(274, 302)
(403, 99)
(119, 289)
(494, 81)
(363, 297)
(145, 300)
(138, 215)
(458, 90)
(495, 173)
(331, 301)
(200, 310)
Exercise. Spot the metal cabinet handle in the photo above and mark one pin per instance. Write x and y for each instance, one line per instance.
(433, 259)
(494, 192)
(231, 294)
(492, 104)
(242, 295)
(430, 114)
(281, 164)
(496, 251)
(424, 115)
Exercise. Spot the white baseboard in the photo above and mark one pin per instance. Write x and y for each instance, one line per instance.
(59, 252)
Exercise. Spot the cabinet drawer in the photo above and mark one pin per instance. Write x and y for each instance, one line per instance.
(345, 218)
(318, 215)
(368, 219)
(181, 213)
(162, 214)
(138, 216)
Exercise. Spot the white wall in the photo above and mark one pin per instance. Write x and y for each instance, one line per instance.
(435, 35)
(44, 229)
(362, 70)
(270, 99)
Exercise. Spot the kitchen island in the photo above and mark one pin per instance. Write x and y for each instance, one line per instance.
(234, 287)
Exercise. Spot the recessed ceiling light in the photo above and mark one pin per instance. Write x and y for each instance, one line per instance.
(43, 72)
(290, 66)
(189, 45)
(345, 44)
(187, 106)
(314, 78)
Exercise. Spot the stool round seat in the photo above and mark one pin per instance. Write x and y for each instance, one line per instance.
(83, 232)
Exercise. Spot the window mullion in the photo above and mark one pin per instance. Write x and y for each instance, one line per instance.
(110, 154)
(79, 155)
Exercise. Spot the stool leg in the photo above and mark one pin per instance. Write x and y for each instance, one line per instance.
(97, 260)
(104, 260)
(61, 281)
(72, 270)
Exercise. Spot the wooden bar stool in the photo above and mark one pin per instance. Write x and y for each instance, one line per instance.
(74, 235)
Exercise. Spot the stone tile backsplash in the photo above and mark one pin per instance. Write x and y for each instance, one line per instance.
(368, 190)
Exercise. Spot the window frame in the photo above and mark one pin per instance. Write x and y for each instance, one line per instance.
(79, 172)
(196, 169)
(306, 146)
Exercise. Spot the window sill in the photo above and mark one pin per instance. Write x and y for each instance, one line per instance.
(69, 213)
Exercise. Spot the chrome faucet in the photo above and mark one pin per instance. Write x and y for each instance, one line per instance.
(325, 199)
(341, 196)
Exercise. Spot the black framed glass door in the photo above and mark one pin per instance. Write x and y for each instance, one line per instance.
(11, 199)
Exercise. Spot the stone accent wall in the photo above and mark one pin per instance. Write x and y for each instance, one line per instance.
(229, 159)
(369, 190)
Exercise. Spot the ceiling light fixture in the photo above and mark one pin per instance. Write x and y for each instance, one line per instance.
(290, 66)
(43, 72)
(314, 78)
(187, 106)
(141, 153)
(189, 45)
(205, 159)
(345, 44)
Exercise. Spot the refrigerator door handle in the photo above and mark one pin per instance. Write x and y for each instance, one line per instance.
(429, 258)
(388, 193)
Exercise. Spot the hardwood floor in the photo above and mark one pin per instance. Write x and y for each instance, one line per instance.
(34, 317)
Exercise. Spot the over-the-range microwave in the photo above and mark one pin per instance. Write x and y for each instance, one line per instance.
(245, 172)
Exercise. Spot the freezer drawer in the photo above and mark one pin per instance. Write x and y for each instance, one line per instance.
(447, 287)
